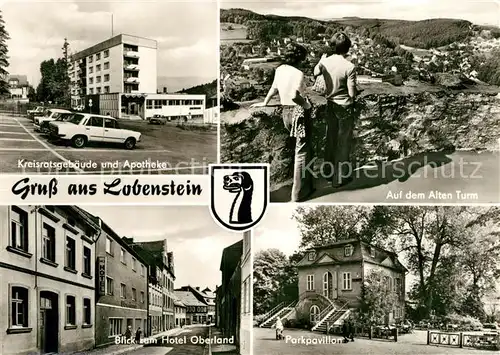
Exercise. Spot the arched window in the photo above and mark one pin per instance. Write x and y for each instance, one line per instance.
(314, 314)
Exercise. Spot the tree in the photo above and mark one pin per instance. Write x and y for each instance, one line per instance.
(32, 93)
(53, 85)
(377, 298)
(268, 266)
(4, 63)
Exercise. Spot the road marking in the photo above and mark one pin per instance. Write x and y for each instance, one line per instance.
(18, 139)
(9, 124)
(49, 148)
(1, 132)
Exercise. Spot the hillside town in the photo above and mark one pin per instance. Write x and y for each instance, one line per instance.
(249, 64)
(71, 284)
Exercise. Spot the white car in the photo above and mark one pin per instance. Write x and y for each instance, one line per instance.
(86, 127)
(51, 115)
(37, 111)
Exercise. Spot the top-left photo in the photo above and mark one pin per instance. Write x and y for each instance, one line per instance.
(108, 87)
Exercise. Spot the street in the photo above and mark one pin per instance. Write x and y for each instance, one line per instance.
(265, 343)
(176, 149)
(432, 178)
(179, 344)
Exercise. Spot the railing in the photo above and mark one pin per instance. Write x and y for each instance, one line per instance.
(486, 341)
(273, 310)
(372, 332)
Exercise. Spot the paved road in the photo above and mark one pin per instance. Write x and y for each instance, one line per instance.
(409, 344)
(175, 148)
(433, 178)
(181, 343)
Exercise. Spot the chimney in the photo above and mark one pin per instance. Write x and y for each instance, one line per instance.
(165, 90)
(197, 289)
(128, 240)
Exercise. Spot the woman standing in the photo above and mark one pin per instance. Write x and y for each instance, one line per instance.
(290, 85)
(340, 91)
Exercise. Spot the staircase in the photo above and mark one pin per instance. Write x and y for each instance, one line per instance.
(331, 315)
(282, 311)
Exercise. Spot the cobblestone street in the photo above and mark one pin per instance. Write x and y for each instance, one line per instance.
(180, 344)
(266, 343)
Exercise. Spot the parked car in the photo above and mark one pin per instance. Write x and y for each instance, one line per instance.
(38, 111)
(85, 127)
(44, 126)
(50, 115)
(158, 119)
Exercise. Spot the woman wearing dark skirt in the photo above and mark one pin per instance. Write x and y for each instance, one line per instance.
(290, 85)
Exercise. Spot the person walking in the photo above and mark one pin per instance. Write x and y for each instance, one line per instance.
(289, 83)
(138, 333)
(128, 333)
(339, 77)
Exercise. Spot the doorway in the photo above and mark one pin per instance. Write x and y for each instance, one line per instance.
(329, 291)
(49, 322)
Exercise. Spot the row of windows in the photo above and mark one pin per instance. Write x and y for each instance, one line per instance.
(19, 308)
(19, 241)
(105, 54)
(98, 79)
(110, 246)
(117, 326)
(348, 251)
(99, 90)
(346, 282)
(98, 67)
(196, 309)
(159, 103)
(110, 290)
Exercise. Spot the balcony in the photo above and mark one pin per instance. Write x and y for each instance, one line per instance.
(131, 80)
(132, 67)
(131, 54)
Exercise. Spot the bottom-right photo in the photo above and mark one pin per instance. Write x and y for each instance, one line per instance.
(377, 280)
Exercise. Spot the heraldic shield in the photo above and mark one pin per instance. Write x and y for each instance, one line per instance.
(240, 194)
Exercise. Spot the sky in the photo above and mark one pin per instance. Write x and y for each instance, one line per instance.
(192, 235)
(476, 11)
(186, 31)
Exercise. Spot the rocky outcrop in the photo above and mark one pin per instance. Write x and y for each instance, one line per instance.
(393, 122)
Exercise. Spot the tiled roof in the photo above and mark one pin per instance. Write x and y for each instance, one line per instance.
(188, 299)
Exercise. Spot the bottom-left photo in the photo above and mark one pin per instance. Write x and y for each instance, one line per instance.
(122, 280)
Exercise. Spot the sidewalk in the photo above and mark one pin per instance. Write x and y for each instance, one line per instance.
(121, 349)
(225, 349)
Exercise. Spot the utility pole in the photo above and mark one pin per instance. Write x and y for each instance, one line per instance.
(112, 26)
(67, 86)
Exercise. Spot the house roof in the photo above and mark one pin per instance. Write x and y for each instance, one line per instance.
(21, 79)
(366, 253)
(188, 298)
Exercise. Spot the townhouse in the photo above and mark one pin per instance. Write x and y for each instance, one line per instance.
(48, 279)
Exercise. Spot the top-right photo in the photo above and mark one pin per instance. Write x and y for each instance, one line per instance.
(364, 102)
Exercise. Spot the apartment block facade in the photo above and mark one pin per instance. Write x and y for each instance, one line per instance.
(122, 292)
(161, 282)
(121, 64)
(48, 279)
(335, 273)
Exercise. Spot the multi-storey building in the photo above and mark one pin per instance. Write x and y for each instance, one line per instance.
(246, 319)
(209, 297)
(119, 77)
(122, 294)
(47, 283)
(332, 276)
(161, 282)
(179, 312)
(196, 309)
(18, 87)
(121, 64)
(229, 293)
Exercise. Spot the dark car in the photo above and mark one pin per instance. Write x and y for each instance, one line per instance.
(158, 119)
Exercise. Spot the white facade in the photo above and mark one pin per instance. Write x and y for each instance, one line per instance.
(212, 115)
(47, 283)
(176, 105)
(246, 295)
(121, 64)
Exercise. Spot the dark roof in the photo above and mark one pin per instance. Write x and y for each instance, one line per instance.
(22, 79)
(188, 298)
